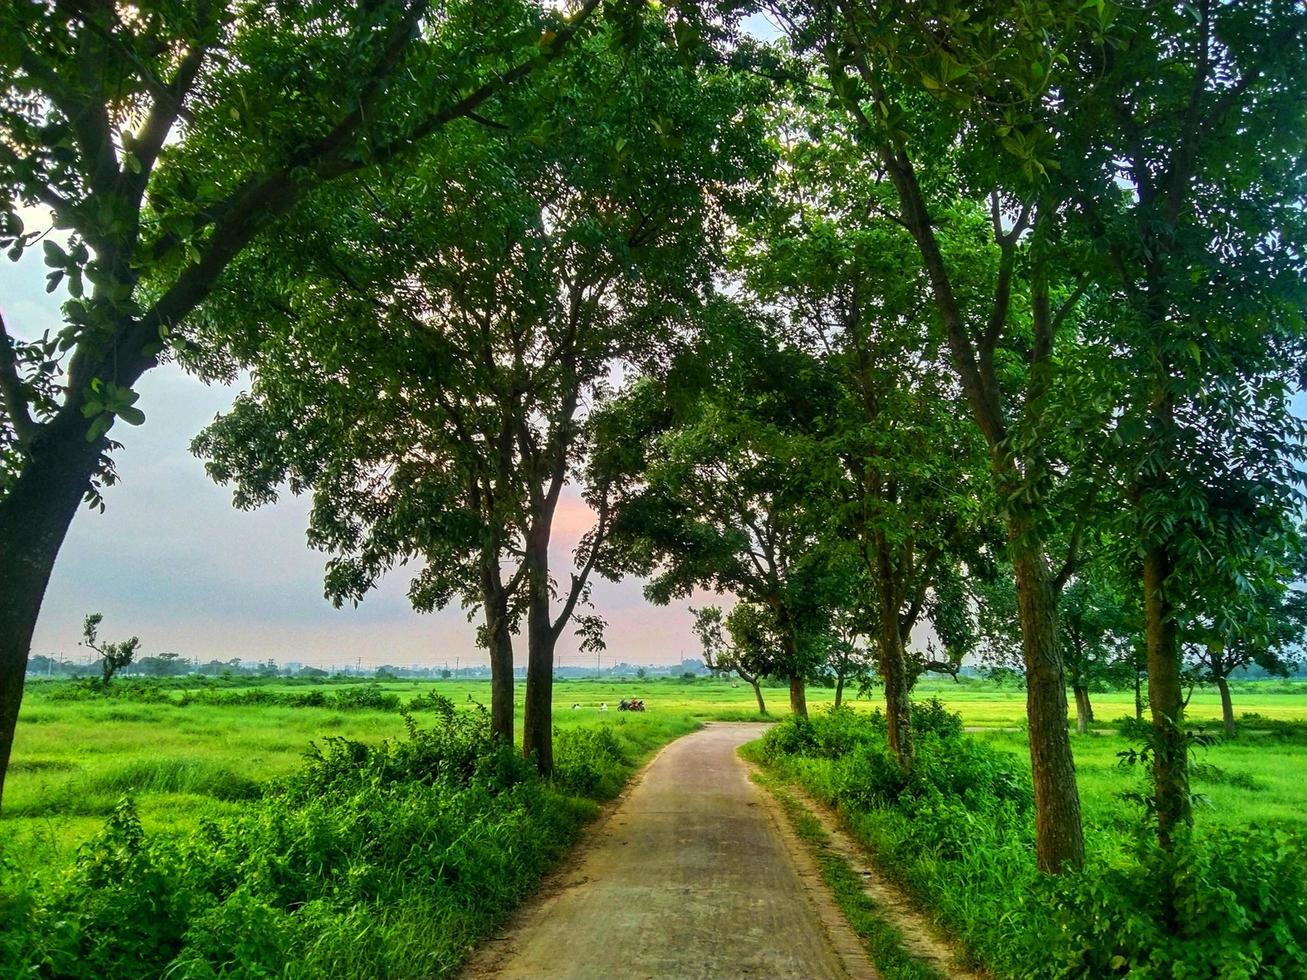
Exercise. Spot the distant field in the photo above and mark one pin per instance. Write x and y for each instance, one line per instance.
(74, 760)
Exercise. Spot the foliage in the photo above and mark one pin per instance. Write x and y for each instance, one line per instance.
(728, 493)
(370, 697)
(1240, 911)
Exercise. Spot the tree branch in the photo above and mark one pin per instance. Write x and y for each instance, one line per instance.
(1072, 555)
(11, 391)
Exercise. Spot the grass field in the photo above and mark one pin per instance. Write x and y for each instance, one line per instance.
(74, 760)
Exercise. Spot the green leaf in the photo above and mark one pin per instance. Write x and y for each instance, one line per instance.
(99, 427)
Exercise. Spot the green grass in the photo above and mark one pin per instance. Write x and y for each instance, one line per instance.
(387, 861)
(73, 760)
(880, 937)
(957, 834)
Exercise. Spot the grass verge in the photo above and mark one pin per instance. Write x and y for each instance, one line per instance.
(881, 938)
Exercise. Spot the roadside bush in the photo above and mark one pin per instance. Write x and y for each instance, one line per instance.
(793, 736)
(1135, 729)
(388, 860)
(957, 831)
(1241, 912)
(588, 761)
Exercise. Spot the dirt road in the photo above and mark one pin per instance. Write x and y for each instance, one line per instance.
(693, 874)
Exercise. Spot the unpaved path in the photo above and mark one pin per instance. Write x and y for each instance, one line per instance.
(922, 938)
(692, 874)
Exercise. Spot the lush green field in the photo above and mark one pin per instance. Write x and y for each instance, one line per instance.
(74, 760)
(227, 763)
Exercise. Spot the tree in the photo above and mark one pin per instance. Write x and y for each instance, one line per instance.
(113, 656)
(751, 651)
(489, 314)
(728, 489)
(162, 665)
(1266, 627)
(850, 294)
(951, 105)
(1095, 641)
(164, 143)
(1184, 133)
(846, 658)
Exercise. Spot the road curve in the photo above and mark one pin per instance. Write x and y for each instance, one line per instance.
(692, 874)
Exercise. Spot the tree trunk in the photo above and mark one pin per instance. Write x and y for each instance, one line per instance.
(34, 518)
(894, 673)
(839, 690)
(1139, 698)
(798, 697)
(893, 660)
(1166, 701)
(1084, 710)
(1227, 708)
(537, 717)
(757, 693)
(1059, 835)
(500, 642)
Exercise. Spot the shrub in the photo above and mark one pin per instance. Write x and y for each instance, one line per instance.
(1135, 729)
(1241, 911)
(588, 761)
(386, 860)
(957, 831)
(793, 736)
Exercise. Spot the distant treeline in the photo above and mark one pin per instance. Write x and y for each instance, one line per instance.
(369, 697)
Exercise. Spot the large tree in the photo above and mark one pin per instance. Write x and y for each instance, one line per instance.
(730, 494)
(429, 368)
(947, 103)
(164, 138)
(912, 474)
(1185, 150)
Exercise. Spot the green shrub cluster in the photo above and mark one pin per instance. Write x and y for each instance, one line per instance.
(957, 831)
(1284, 730)
(370, 861)
(1241, 898)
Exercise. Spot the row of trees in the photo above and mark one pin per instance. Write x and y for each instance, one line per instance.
(954, 314)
